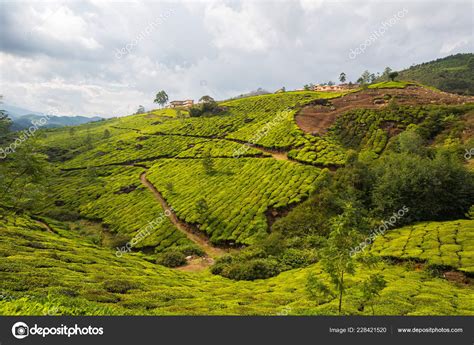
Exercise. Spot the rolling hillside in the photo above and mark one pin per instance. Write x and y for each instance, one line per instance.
(153, 213)
(453, 73)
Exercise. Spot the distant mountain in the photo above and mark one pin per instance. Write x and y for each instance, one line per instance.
(16, 112)
(257, 92)
(22, 118)
(25, 121)
(454, 73)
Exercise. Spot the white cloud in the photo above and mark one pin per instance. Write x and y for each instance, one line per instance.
(449, 47)
(63, 54)
(245, 29)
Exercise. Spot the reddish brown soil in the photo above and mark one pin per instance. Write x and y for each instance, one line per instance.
(316, 119)
(456, 277)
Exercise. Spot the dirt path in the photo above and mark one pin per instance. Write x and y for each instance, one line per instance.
(193, 234)
(317, 118)
(44, 225)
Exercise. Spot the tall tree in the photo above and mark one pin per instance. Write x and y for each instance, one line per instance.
(393, 75)
(106, 134)
(365, 77)
(208, 163)
(24, 176)
(161, 98)
(342, 77)
(386, 72)
(206, 99)
(5, 122)
(371, 290)
(140, 110)
(336, 258)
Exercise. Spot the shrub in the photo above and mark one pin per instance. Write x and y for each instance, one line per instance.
(191, 250)
(119, 286)
(432, 189)
(251, 270)
(63, 215)
(171, 258)
(294, 258)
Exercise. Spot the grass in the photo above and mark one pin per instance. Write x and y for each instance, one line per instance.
(62, 274)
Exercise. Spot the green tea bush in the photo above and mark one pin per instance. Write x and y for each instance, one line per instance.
(171, 258)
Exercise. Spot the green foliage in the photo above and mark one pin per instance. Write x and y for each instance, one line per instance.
(119, 286)
(257, 268)
(238, 194)
(342, 77)
(106, 134)
(449, 244)
(171, 258)
(67, 277)
(390, 84)
(115, 197)
(371, 289)
(412, 181)
(206, 99)
(75, 267)
(161, 98)
(453, 73)
(410, 142)
(207, 107)
(317, 289)
(336, 260)
(208, 164)
(366, 129)
(311, 216)
(24, 174)
(320, 151)
(393, 75)
(470, 213)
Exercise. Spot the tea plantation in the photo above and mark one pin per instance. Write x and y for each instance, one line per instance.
(243, 191)
(237, 193)
(60, 273)
(448, 244)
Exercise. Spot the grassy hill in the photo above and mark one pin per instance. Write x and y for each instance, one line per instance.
(57, 272)
(454, 73)
(152, 213)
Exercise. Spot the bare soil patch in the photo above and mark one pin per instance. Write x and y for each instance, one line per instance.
(317, 118)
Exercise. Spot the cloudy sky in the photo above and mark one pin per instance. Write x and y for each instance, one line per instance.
(107, 57)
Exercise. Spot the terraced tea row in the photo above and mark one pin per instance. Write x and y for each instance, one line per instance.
(116, 197)
(319, 151)
(370, 129)
(229, 204)
(62, 274)
(439, 243)
(134, 147)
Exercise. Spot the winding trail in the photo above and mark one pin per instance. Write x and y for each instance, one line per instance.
(191, 232)
(44, 225)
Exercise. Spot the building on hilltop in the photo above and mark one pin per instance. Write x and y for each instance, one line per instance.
(339, 87)
(182, 104)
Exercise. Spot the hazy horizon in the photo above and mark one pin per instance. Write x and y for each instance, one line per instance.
(105, 59)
